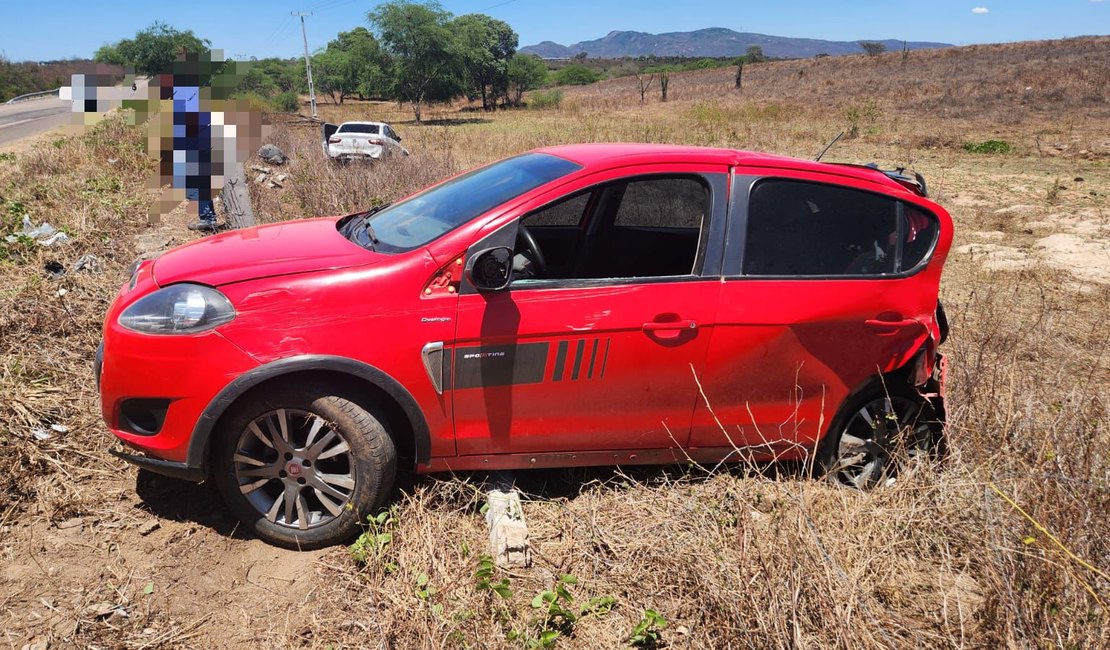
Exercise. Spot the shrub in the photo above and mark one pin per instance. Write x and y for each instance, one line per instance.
(576, 75)
(286, 102)
(546, 98)
(865, 113)
(254, 101)
(989, 146)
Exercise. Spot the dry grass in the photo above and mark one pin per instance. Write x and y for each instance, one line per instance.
(730, 559)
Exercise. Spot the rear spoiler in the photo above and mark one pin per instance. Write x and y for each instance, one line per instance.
(914, 183)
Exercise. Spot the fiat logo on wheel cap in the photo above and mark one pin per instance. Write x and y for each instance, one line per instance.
(293, 468)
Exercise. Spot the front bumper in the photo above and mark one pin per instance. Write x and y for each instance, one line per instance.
(180, 375)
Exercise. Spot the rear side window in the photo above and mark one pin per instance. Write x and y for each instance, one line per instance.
(663, 203)
(796, 228)
(919, 233)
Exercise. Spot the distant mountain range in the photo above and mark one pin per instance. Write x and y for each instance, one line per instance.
(711, 42)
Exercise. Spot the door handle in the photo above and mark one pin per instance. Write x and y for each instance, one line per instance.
(656, 326)
(891, 327)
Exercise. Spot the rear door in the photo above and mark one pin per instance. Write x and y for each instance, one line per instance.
(327, 130)
(600, 351)
(825, 287)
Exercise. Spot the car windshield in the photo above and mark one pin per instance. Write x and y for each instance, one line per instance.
(424, 217)
(358, 128)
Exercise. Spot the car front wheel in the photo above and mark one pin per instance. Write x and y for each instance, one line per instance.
(876, 436)
(302, 468)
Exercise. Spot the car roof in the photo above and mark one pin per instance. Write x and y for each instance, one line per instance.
(605, 155)
(364, 122)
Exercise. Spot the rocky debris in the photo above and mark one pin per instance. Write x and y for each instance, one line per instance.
(272, 155)
(105, 610)
(149, 527)
(508, 531)
(266, 178)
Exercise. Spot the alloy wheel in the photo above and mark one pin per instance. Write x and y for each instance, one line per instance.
(294, 468)
(874, 434)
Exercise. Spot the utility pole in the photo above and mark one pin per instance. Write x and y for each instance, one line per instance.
(307, 62)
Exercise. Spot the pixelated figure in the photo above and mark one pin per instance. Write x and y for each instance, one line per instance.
(196, 132)
(188, 157)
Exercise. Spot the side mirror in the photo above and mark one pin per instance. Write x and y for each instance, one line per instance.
(491, 269)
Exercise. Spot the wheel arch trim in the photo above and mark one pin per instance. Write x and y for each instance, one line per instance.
(197, 454)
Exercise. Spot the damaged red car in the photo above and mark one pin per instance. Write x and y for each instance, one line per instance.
(574, 305)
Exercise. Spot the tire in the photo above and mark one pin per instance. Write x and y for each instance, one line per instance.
(313, 485)
(874, 436)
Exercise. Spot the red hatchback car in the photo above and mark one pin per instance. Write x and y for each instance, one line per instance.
(575, 305)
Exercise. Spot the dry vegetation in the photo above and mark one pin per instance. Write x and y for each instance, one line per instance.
(1006, 544)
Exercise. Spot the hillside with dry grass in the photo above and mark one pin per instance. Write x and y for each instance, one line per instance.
(1004, 544)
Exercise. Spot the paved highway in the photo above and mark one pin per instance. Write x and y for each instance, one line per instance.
(31, 117)
(34, 116)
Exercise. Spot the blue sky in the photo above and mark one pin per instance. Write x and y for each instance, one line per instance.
(50, 29)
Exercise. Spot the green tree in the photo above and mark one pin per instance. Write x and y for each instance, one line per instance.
(154, 49)
(367, 70)
(576, 75)
(426, 65)
(485, 46)
(525, 72)
(754, 54)
(331, 73)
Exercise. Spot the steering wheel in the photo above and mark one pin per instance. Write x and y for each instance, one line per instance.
(522, 233)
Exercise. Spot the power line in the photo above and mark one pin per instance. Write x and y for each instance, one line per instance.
(499, 4)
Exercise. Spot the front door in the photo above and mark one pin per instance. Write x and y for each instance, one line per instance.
(598, 345)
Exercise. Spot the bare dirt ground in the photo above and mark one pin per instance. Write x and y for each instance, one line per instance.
(95, 554)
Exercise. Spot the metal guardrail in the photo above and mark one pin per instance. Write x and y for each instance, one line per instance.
(41, 93)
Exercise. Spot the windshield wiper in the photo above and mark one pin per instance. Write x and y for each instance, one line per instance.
(369, 230)
(361, 224)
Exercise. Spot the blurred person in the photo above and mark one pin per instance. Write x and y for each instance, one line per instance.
(196, 132)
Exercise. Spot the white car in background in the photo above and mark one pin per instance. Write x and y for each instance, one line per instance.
(362, 140)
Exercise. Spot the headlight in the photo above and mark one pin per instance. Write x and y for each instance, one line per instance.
(178, 309)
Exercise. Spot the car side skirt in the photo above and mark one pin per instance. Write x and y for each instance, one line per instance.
(711, 456)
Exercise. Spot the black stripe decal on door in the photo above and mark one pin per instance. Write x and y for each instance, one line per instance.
(500, 365)
(578, 359)
(585, 364)
(560, 361)
(593, 360)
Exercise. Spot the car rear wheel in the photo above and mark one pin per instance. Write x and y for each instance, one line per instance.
(302, 468)
(876, 436)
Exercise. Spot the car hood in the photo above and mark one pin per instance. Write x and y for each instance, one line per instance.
(262, 251)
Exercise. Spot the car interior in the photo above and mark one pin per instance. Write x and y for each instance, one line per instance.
(644, 227)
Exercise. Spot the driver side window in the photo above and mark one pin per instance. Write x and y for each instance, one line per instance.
(652, 226)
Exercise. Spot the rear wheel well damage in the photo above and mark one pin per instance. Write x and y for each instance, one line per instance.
(900, 381)
(347, 378)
